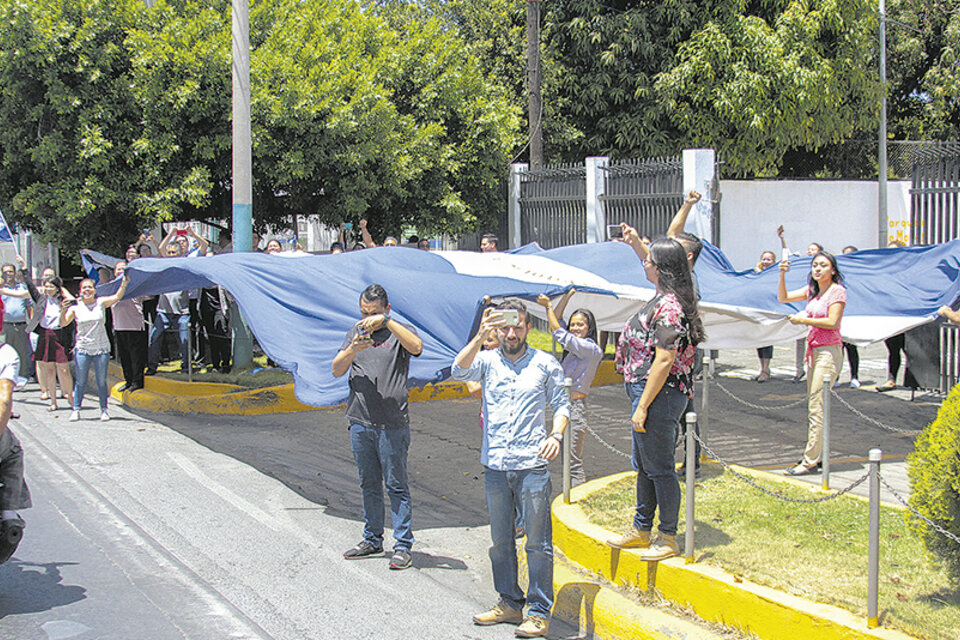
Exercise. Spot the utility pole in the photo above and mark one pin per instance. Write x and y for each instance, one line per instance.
(535, 111)
(882, 158)
(242, 166)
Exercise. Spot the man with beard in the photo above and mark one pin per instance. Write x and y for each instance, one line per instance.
(518, 382)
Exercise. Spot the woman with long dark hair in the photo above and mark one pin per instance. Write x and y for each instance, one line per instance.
(54, 343)
(826, 298)
(655, 355)
(580, 360)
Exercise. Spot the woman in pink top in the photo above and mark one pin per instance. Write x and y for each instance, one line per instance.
(826, 299)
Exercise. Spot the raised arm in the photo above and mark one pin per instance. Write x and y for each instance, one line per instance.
(632, 238)
(202, 244)
(66, 312)
(489, 323)
(16, 293)
(109, 301)
(365, 234)
(788, 296)
(680, 218)
(552, 319)
(162, 247)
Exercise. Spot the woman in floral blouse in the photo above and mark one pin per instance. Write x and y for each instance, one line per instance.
(655, 355)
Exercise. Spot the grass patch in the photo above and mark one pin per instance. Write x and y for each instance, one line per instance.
(543, 340)
(249, 379)
(816, 551)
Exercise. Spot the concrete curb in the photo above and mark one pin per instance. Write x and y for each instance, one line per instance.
(164, 395)
(711, 593)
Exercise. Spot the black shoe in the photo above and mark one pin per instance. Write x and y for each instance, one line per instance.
(124, 387)
(401, 559)
(11, 532)
(682, 472)
(150, 372)
(135, 386)
(362, 550)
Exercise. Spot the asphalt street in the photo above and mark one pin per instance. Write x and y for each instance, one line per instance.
(187, 526)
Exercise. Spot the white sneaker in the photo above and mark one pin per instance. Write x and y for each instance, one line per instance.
(75, 415)
(104, 416)
(854, 384)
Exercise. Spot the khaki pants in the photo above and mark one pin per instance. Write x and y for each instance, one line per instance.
(826, 360)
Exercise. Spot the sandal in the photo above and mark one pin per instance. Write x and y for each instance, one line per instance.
(44, 396)
(763, 377)
(52, 407)
(889, 385)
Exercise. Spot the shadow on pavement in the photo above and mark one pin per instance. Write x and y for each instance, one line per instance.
(26, 587)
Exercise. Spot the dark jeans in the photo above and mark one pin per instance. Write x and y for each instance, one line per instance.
(381, 456)
(218, 340)
(132, 353)
(164, 321)
(526, 491)
(657, 484)
(14, 493)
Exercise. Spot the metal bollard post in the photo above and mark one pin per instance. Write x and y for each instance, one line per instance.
(189, 355)
(873, 553)
(825, 455)
(567, 448)
(705, 404)
(691, 468)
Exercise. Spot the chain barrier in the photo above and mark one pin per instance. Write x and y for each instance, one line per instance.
(763, 407)
(863, 416)
(930, 523)
(604, 442)
(753, 483)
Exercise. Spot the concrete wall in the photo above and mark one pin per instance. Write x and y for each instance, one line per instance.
(834, 213)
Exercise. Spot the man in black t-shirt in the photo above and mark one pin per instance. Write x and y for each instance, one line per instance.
(377, 353)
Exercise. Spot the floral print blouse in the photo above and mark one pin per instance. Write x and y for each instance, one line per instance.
(661, 323)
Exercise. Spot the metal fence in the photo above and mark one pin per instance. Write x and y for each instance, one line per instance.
(935, 194)
(644, 193)
(553, 206)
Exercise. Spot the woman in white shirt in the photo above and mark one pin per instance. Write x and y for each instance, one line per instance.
(52, 353)
(92, 345)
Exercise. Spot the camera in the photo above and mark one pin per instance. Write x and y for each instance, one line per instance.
(511, 317)
(614, 231)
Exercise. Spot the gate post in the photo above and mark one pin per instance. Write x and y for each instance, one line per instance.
(596, 216)
(513, 205)
(698, 174)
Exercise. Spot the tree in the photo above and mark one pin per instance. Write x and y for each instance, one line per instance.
(119, 116)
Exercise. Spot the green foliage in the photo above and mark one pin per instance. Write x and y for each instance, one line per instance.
(753, 88)
(116, 115)
(934, 469)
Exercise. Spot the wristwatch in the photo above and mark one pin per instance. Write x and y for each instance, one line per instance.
(556, 436)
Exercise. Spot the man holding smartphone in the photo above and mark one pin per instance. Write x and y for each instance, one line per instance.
(518, 383)
(377, 353)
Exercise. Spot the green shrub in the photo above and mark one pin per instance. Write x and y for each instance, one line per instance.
(934, 469)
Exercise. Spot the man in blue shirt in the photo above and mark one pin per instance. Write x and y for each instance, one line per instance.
(518, 383)
(15, 318)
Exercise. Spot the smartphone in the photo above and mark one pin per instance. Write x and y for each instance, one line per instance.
(181, 232)
(348, 225)
(511, 317)
(614, 231)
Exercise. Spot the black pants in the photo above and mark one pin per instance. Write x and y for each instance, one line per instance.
(218, 338)
(132, 353)
(853, 357)
(895, 345)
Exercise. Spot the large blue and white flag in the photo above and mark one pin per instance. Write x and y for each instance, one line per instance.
(300, 309)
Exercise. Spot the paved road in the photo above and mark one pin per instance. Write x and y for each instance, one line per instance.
(212, 527)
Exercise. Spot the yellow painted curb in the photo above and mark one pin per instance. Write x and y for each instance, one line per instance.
(711, 593)
(174, 396)
(601, 612)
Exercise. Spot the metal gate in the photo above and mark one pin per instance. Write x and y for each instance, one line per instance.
(553, 206)
(644, 193)
(935, 194)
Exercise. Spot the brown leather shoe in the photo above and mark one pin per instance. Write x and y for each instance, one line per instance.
(633, 539)
(500, 612)
(533, 627)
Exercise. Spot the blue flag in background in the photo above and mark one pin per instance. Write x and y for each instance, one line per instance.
(6, 235)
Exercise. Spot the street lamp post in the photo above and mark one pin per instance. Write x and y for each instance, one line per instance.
(882, 157)
(242, 166)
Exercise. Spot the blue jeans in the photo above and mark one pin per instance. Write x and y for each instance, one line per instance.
(381, 456)
(163, 322)
(526, 491)
(657, 483)
(99, 362)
